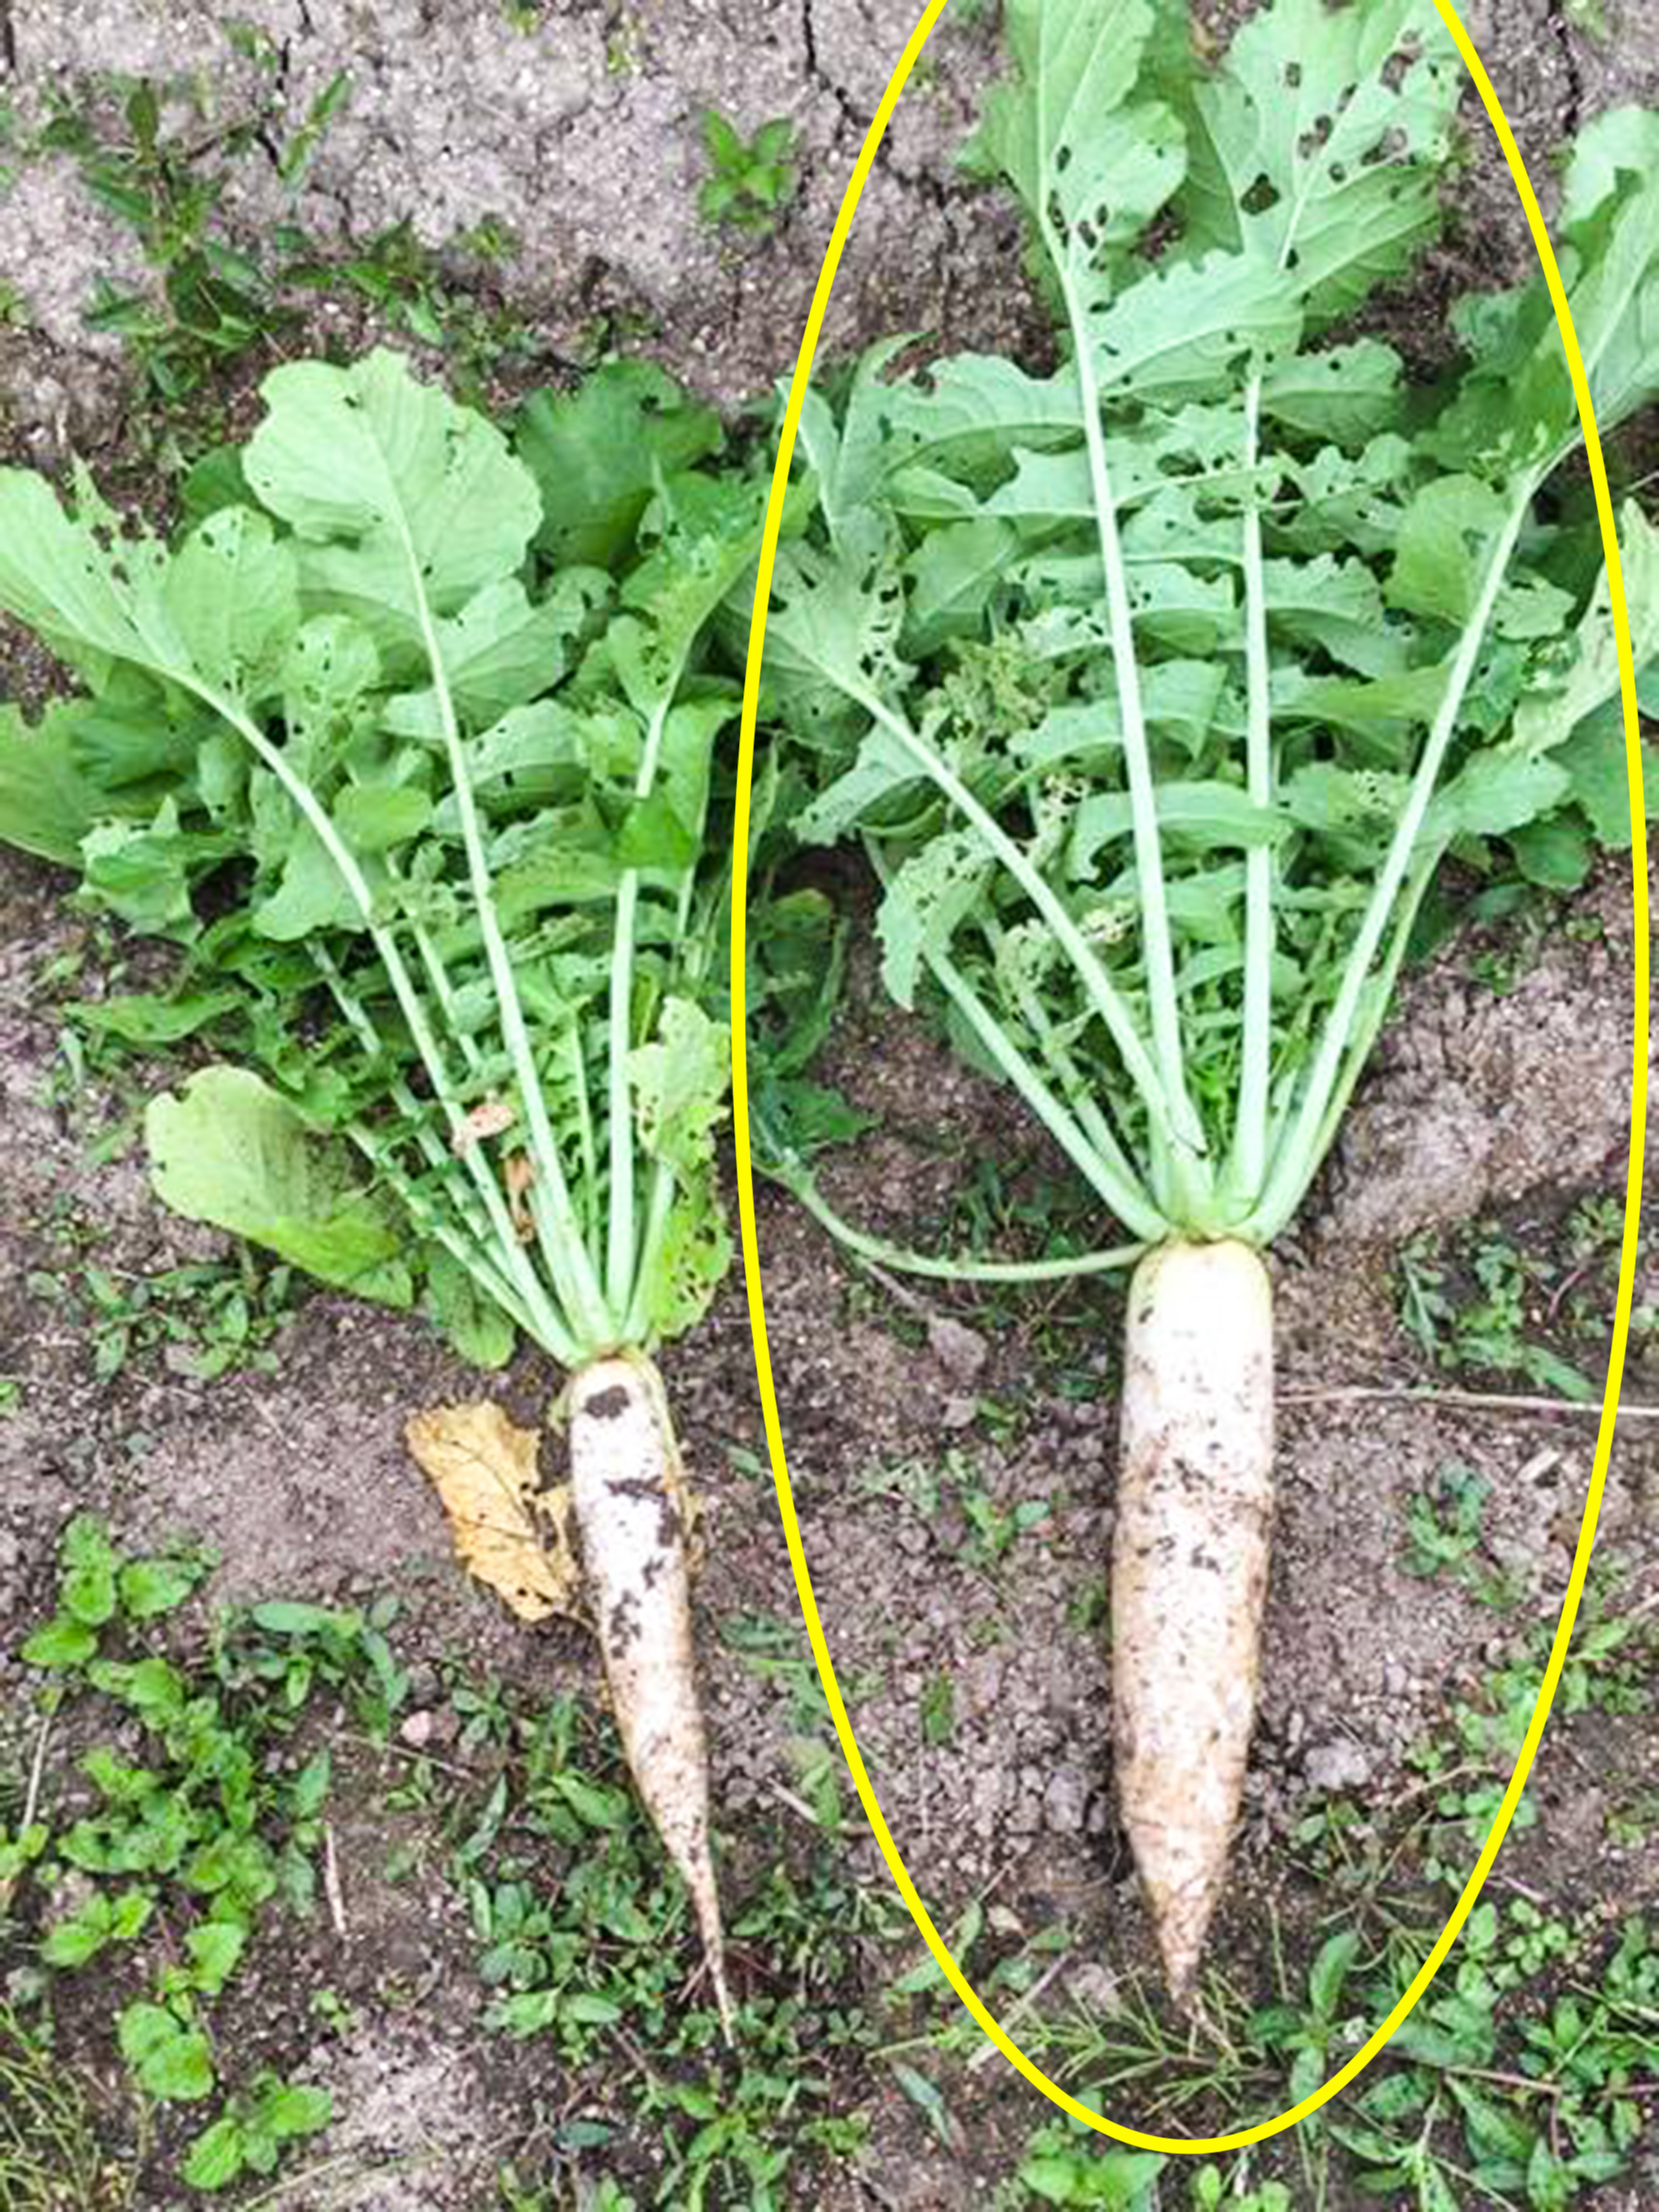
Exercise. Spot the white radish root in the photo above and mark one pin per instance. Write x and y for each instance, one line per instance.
(631, 1508)
(1190, 1574)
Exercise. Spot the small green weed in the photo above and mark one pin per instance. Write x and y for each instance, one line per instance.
(200, 1320)
(161, 1874)
(249, 2136)
(1609, 1669)
(1525, 2107)
(216, 304)
(991, 1528)
(1474, 1304)
(409, 287)
(1445, 1536)
(581, 1929)
(753, 179)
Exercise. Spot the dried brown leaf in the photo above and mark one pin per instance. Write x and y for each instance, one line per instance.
(488, 1119)
(509, 1533)
(520, 1174)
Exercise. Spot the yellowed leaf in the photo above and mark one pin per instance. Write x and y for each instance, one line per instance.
(510, 1532)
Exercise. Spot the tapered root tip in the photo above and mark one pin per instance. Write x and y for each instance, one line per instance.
(1181, 1939)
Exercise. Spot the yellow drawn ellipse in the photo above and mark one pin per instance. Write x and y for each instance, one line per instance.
(1362, 2058)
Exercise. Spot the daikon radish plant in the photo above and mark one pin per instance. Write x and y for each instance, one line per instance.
(405, 743)
(1158, 687)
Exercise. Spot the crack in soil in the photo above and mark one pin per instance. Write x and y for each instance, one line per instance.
(8, 40)
(920, 181)
(1561, 30)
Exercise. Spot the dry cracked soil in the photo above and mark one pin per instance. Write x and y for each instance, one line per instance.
(951, 1461)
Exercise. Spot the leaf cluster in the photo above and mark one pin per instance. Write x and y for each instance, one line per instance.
(751, 180)
(1158, 687)
(406, 741)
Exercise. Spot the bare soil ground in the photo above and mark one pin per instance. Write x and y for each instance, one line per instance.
(975, 1667)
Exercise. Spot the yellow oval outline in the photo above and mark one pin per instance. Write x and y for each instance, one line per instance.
(1185, 2146)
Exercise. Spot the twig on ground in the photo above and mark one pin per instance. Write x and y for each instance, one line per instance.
(1494, 1401)
(332, 1886)
(1023, 2004)
(31, 1795)
(795, 1804)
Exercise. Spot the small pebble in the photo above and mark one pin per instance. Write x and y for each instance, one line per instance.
(1338, 1765)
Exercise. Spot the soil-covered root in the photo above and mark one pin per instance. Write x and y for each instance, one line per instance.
(1190, 1573)
(631, 1508)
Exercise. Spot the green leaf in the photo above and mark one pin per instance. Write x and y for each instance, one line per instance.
(925, 902)
(143, 874)
(311, 1786)
(1499, 792)
(291, 1617)
(597, 454)
(215, 2158)
(86, 1594)
(1598, 770)
(58, 578)
(1444, 546)
(952, 575)
(605, 1810)
(690, 1263)
(171, 2061)
(479, 1330)
(312, 897)
(1555, 854)
(1316, 147)
(1347, 393)
(1062, 131)
(680, 1081)
(47, 806)
(1330, 1972)
(502, 651)
(232, 591)
(86, 1544)
(139, 1017)
(1554, 711)
(408, 503)
(704, 533)
(150, 1588)
(227, 1149)
(70, 1943)
(725, 147)
(377, 817)
(1210, 815)
(63, 1642)
(1182, 331)
(1115, 2181)
(295, 2109)
(214, 1948)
